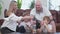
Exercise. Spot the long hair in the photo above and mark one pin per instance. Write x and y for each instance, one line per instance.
(11, 3)
(10, 7)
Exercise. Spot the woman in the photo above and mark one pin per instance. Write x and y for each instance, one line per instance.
(10, 22)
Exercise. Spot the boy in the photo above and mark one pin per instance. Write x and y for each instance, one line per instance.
(26, 24)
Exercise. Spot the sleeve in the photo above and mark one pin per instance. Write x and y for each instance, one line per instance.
(14, 17)
(53, 26)
(29, 24)
(50, 27)
(19, 18)
(47, 12)
(32, 13)
(6, 19)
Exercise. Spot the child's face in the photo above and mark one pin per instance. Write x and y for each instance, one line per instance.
(34, 22)
(46, 21)
(26, 20)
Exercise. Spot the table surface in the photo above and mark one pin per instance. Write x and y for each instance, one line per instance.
(17, 33)
(31, 33)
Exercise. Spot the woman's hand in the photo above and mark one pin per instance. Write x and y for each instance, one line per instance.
(27, 17)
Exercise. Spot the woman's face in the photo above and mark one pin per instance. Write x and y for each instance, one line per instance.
(15, 6)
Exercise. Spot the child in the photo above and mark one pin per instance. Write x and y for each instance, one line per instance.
(26, 23)
(47, 27)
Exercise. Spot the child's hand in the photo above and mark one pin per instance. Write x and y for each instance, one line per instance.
(45, 25)
(34, 31)
(27, 25)
(42, 23)
(33, 22)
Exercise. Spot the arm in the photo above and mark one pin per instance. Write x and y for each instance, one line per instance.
(48, 27)
(53, 26)
(6, 19)
(30, 28)
(27, 17)
(10, 15)
(47, 12)
(13, 17)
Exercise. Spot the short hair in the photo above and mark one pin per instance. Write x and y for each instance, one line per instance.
(47, 18)
(38, 1)
(26, 13)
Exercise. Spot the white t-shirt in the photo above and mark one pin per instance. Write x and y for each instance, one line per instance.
(26, 4)
(49, 27)
(25, 25)
(11, 22)
(40, 16)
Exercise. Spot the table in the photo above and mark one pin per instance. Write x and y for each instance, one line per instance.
(31, 33)
(17, 33)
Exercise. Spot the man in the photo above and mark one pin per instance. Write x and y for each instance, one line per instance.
(40, 11)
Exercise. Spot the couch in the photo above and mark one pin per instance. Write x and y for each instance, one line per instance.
(55, 14)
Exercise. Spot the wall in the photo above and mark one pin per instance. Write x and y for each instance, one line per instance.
(5, 5)
(7, 2)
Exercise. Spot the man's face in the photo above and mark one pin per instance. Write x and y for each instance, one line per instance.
(38, 7)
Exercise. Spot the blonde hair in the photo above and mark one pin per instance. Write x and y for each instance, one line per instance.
(12, 2)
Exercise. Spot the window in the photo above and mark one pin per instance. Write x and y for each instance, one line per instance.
(54, 5)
